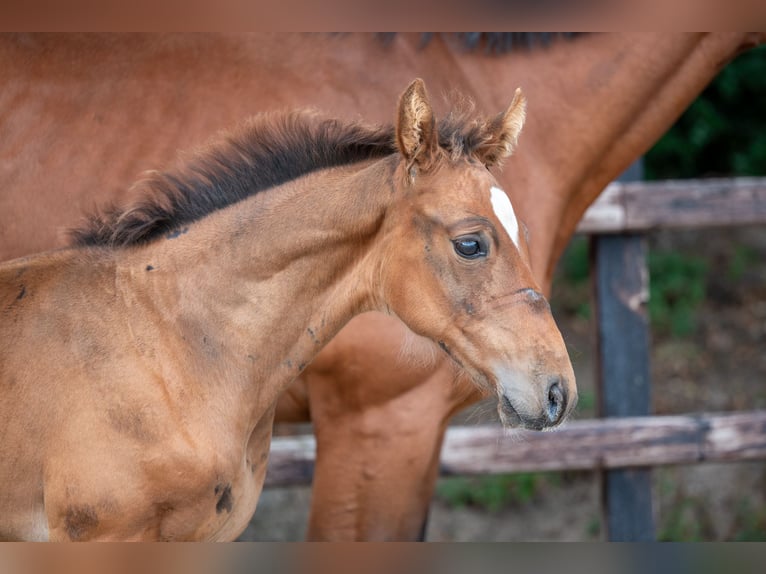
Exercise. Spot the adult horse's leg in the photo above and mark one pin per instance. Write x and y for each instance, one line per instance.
(378, 444)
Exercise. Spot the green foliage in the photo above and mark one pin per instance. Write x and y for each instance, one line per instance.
(677, 285)
(593, 530)
(742, 259)
(586, 402)
(575, 263)
(686, 517)
(492, 492)
(681, 524)
(749, 523)
(723, 132)
(676, 290)
(571, 285)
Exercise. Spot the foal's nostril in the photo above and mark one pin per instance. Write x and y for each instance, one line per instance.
(557, 402)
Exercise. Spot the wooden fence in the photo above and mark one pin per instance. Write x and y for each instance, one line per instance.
(622, 446)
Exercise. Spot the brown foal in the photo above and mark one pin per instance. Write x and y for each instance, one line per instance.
(140, 375)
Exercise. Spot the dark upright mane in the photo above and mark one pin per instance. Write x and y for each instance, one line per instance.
(268, 150)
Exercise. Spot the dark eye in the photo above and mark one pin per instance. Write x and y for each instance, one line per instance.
(470, 247)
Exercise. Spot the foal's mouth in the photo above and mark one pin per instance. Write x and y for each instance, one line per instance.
(545, 409)
(510, 417)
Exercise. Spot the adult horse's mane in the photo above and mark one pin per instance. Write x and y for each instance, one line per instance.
(267, 150)
(496, 42)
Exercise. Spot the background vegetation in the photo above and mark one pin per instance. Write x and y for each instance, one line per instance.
(722, 134)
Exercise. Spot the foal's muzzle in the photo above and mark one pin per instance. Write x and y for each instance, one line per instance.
(552, 411)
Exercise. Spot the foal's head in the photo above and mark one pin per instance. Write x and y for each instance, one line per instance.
(460, 263)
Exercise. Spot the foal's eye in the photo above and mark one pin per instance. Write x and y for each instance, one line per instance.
(470, 247)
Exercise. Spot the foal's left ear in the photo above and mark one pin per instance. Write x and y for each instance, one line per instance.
(416, 134)
(503, 131)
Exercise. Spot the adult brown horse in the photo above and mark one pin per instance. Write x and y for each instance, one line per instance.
(140, 376)
(83, 116)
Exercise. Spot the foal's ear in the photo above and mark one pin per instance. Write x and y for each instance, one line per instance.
(416, 133)
(503, 131)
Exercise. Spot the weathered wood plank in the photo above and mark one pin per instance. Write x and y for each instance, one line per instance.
(640, 206)
(595, 444)
(291, 460)
(609, 443)
(607, 214)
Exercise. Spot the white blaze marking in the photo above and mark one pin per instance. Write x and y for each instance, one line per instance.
(504, 211)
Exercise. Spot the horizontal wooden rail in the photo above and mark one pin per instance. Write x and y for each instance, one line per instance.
(644, 205)
(581, 445)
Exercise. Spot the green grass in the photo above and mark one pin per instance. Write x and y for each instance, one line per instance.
(750, 523)
(688, 520)
(677, 285)
(680, 524)
(493, 493)
(571, 283)
(684, 517)
(742, 259)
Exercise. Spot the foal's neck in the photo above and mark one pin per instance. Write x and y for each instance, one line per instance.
(271, 279)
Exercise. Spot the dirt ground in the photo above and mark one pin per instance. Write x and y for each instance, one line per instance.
(719, 365)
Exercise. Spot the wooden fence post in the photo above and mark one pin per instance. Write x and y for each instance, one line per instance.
(621, 291)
